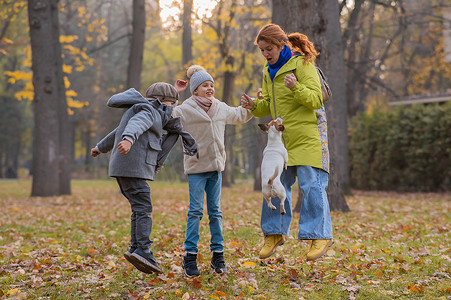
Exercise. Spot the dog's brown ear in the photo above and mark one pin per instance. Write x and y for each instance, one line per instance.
(264, 127)
(280, 127)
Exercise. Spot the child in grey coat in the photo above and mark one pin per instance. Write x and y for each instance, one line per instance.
(135, 146)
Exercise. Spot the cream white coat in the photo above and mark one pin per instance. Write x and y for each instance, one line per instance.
(208, 133)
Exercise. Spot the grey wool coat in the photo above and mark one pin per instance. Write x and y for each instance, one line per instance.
(143, 123)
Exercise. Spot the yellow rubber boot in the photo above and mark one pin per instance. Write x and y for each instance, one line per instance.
(271, 242)
(318, 248)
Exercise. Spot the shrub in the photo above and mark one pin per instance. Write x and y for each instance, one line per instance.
(408, 148)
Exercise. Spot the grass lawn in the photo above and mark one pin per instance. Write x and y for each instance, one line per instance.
(390, 246)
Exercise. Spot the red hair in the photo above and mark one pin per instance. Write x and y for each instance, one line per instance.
(275, 35)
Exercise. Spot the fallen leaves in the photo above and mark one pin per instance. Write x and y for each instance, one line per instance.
(393, 245)
(353, 290)
(415, 288)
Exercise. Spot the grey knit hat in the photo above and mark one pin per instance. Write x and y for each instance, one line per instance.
(162, 91)
(198, 78)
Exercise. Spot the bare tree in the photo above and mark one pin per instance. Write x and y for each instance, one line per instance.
(51, 156)
(187, 39)
(319, 20)
(367, 52)
(223, 27)
(137, 44)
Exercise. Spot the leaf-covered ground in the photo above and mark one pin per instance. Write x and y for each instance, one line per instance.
(389, 246)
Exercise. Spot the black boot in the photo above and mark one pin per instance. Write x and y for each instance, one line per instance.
(218, 262)
(190, 265)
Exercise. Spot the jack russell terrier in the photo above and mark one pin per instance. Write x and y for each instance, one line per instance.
(275, 158)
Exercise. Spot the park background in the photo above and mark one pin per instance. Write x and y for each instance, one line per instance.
(388, 64)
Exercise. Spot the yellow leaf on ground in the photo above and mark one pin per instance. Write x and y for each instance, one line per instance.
(249, 264)
(220, 294)
(147, 296)
(12, 292)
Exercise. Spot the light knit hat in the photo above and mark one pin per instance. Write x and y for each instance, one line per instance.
(162, 91)
(197, 75)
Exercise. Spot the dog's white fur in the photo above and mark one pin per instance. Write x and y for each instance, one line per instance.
(275, 158)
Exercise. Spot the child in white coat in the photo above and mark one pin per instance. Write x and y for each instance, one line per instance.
(205, 118)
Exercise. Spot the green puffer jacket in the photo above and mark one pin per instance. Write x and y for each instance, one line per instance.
(297, 108)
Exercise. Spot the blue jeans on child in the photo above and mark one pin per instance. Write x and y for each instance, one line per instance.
(210, 183)
(314, 220)
(137, 191)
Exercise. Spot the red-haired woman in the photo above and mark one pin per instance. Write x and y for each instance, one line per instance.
(291, 90)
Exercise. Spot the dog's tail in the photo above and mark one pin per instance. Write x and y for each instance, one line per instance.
(271, 179)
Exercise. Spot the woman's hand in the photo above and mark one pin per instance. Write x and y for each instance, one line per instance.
(259, 93)
(180, 85)
(247, 102)
(290, 81)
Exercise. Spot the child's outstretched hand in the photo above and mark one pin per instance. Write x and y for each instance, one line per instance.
(95, 152)
(247, 102)
(124, 146)
(180, 85)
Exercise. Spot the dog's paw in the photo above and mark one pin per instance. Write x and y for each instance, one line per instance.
(271, 206)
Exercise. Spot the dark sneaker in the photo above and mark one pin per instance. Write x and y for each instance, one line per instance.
(190, 265)
(218, 262)
(129, 253)
(145, 262)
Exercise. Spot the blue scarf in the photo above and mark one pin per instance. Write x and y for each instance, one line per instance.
(284, 56)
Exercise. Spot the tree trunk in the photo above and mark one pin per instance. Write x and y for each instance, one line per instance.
(350, 40)
(66, 139)
(87, 145)
(49, 97)
(229, 77)
(319, 20)
(187, 41)
(137, 44)
(222, 29)
(187, 58)
(298, 205)
(261, 141)
(66, 130)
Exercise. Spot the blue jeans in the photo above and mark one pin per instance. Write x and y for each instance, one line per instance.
(210, 183)
(314, 220)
